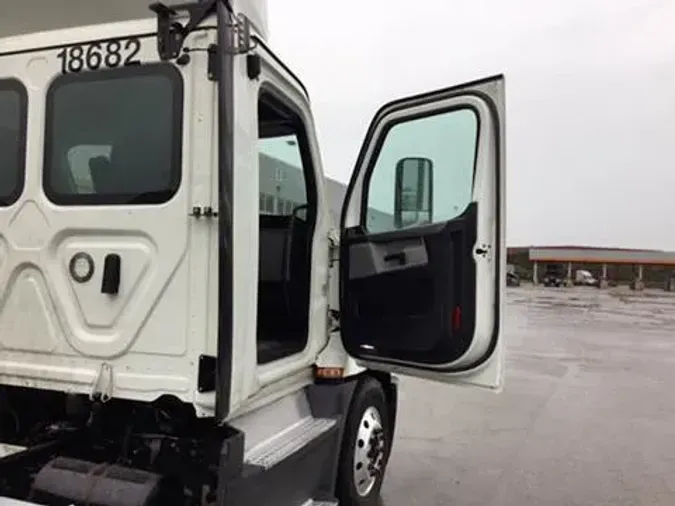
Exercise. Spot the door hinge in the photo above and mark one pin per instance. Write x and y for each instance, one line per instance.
(203, 211)
(333, 247)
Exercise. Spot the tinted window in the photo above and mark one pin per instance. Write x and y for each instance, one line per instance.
(12, 140)
(447, 141)
(114, 137)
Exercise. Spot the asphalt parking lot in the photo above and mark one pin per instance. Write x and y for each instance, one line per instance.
(587, 416)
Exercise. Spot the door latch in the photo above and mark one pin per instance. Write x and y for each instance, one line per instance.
(334, 248)
(112, 271)
(483, 250)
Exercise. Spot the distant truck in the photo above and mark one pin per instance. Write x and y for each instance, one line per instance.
(512, 278)
(585, 278)
(553, 275)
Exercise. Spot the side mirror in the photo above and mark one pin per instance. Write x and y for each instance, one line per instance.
(413, 196)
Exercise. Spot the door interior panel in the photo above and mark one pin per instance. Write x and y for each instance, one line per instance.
(410, 294)
(370, 258)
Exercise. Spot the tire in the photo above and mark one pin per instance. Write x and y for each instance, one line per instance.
(367, 418)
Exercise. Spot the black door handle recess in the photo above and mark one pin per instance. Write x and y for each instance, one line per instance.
(399, 256)
(111, 274)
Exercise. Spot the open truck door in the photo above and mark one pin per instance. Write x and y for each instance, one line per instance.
(422, 255)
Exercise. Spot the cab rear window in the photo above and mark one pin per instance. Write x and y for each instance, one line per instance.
(114, 137)
(13, 104)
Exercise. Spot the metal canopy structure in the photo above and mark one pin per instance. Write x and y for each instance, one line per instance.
(583, 255)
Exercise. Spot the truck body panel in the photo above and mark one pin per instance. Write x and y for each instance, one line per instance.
(87, 222)
(584, 277)
(182, 339)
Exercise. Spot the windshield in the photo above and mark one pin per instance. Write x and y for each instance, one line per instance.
(12, 140)
(114, 137)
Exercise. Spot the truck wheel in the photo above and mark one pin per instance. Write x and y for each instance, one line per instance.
(366, 444)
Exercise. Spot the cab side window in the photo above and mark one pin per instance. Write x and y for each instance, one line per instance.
(282, 180)
(423, 171)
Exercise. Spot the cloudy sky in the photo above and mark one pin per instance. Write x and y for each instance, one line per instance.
(590, 98)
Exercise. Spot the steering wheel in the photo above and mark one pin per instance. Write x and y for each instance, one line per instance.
(288, 243)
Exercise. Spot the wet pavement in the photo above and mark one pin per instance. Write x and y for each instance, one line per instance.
(587, 416)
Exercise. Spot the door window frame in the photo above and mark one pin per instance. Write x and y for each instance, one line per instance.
(372, 162)
(308, 169)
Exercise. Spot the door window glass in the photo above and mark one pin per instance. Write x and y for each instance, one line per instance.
(423, 172)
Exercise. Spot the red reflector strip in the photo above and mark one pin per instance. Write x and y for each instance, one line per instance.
(329, 372)
(457, 318)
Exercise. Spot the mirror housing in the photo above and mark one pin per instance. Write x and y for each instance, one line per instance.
(413, 195)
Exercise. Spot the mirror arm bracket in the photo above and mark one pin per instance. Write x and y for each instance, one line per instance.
(171, 34)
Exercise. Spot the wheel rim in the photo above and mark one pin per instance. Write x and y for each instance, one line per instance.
(368, 451)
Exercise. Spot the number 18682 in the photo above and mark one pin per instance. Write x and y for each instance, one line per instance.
(110, 54)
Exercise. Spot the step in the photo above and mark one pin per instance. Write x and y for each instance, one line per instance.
(283, 445)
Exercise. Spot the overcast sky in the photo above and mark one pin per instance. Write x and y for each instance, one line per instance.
(590, 98)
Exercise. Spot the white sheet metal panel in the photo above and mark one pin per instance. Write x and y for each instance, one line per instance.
(610, 256)
(58, 332)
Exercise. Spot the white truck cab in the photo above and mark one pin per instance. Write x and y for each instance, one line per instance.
(166, 331)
